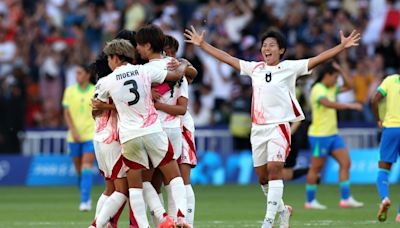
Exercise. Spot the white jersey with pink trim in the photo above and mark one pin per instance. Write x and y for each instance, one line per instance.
(274, 99)
(186, 120)
(170, 97)
(106, 124)
(130, 88)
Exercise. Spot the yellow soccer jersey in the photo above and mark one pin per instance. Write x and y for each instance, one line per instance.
(324, 119)
(78, 101)
(390, 88)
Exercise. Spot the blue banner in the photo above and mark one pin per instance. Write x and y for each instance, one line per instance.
(55, 170)
(13, 169)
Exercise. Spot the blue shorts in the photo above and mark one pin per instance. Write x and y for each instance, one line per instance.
(324, 146)
(390, 144)
(78, 149)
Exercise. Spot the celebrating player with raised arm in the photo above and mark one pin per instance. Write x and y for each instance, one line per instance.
(274, 104)
(140, 130)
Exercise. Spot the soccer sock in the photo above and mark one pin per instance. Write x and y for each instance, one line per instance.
(310, 190)
(265, 191)
(382, 183)
(110, 208)
(345, 189)
(274, 199)
(114, 220)
(132, 220)
(178, 193)
(138, 206)
(191, 202)
(171, 203)
(160, 196)
(100, 202)
(299, 173)
(86, 184)
(153, 202)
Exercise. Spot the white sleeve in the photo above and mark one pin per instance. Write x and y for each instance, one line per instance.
(299, 66)
(246, 68)
(156, 75)
(103, 90)
(185, 88)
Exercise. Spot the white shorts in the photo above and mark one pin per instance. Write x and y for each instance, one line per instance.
(109, 159)
(155, 146)
(175, 137)
(270, 143)
(188, 148)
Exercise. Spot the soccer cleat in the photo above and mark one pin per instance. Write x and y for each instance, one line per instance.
(181, 223)
(267, 223)
(85, 206)
(314, 205)
(168, 222)
(383, 209)
(398, 218)
(285, 216)
(350, 203)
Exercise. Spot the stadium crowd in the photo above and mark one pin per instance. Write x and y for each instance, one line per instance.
(42, 43)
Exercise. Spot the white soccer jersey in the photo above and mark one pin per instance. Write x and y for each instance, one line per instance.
(106, 123)
(130, 88)
(168, 120)
(186, 120)
(274, 99)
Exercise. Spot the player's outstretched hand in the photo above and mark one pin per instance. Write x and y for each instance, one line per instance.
(193, 37)
(351, 40)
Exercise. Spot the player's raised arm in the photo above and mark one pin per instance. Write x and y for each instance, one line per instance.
(346, 42)
(197, 39)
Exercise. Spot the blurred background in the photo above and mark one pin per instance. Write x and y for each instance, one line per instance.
(42, 42)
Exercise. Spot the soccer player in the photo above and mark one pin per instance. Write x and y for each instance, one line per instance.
(188, 158)
(109, 159)
(150, 43)
(390, 140)
(140, 130)
(274, 104)
(78, 117)
(323, 134)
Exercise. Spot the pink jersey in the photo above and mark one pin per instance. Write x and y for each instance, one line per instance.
(168, 120)
(130, 88)
(274, 99)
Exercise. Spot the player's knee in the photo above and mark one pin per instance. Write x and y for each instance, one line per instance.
(263, 179)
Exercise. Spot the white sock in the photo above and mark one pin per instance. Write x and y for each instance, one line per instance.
(191, 201)
(160, 196)
(138, 207)
(153, 202)
(100, 203)
(265, 189)
(171, 203)
(110, 208)
(178, 192)
(274, 199)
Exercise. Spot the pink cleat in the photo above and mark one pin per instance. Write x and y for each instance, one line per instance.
(398, 218)
(168, 222)
(182, 223)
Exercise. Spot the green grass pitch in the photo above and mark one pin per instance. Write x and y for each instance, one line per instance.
(224, 206)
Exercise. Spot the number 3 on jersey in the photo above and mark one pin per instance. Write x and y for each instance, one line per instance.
(134, 91)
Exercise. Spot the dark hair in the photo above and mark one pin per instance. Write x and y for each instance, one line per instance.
(127, 35)
(278, 36)
(326, 68)
(171, 42)
(100, 66)
(153, 35)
